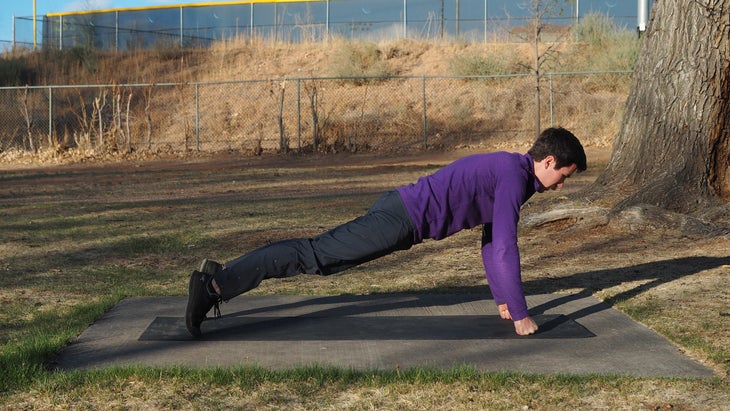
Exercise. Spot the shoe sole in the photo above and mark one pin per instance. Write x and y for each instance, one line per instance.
(192, 329)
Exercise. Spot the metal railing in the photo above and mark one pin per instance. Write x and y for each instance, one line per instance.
(307, 114)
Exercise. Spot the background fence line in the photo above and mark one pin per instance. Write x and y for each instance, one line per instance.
(192, 25)
(327, 114)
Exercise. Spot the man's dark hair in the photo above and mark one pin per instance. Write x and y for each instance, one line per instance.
(561, 144)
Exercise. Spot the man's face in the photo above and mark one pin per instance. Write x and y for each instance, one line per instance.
(549, 177)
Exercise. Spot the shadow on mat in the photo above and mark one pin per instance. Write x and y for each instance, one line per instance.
(361, 328)
(340, 320)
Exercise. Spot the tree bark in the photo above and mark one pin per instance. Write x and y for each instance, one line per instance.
(673, 145)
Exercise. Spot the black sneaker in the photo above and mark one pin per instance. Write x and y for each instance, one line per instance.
(201, 298)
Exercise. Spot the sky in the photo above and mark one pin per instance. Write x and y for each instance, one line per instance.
(24, 8)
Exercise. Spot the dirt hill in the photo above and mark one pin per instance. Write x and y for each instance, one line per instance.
(353, 116)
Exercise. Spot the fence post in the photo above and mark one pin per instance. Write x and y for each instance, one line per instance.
(327, 23)
(425, 123)
(250, 24)
(486, 13)
(299, 115)
(182, 32)
(405, 19)
(197, 117)
(50, 116)
(550, 81)
(116, 30)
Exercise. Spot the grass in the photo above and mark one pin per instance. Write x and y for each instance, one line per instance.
(77, 240)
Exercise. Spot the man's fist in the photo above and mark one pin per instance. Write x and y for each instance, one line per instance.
(504, 312)
(525, 326)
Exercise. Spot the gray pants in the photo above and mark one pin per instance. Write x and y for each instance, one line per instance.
(384, 229)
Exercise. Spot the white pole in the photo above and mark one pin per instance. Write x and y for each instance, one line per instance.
(181, 27)
(327, 23)
(35, 30)
(405, 19)
(485, 20)
(643, 14)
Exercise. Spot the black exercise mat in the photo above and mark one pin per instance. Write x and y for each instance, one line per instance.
(345, 328)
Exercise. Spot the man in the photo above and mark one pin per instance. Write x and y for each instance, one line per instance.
(486, 189)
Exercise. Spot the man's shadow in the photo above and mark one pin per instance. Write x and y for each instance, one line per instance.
(654, 273)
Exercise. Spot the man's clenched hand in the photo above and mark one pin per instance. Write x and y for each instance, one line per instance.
(525, 326)
(504, 312)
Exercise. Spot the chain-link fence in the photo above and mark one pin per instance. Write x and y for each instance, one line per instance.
(202, 24)
(309, 114)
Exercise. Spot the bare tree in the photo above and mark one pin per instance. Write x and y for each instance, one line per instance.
(28, 117)
(128, 135)
(85, 122)
(147, 95)
(541, 11)
(314, 100)
(99, 105)
(673, 147)
(283, 139)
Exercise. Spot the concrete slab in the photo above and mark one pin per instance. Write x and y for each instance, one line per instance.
(579, 335)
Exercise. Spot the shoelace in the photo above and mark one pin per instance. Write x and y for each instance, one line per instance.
(218, 299)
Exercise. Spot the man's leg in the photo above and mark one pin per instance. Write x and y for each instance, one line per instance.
(384, 229)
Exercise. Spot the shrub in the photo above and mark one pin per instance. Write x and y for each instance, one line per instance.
(16, 72)
(610, 47)
(473, 64)
(358, 60)
(621, 53)
(594, 29)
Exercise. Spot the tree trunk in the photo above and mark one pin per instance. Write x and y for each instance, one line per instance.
(673, 146)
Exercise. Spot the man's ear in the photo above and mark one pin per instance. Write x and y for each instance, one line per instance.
(549, 162)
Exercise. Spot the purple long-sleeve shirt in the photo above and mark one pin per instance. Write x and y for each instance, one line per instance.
(479, 189)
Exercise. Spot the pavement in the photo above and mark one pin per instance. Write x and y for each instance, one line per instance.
(578, 334)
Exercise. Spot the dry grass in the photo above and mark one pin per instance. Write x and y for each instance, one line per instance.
(165, 391)
(357, 116)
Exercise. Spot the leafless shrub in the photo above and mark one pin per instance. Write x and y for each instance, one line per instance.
(28, 117)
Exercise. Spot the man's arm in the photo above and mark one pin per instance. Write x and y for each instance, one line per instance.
(500, 252)
(504, 262)
(505, 256)
(524, 326)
